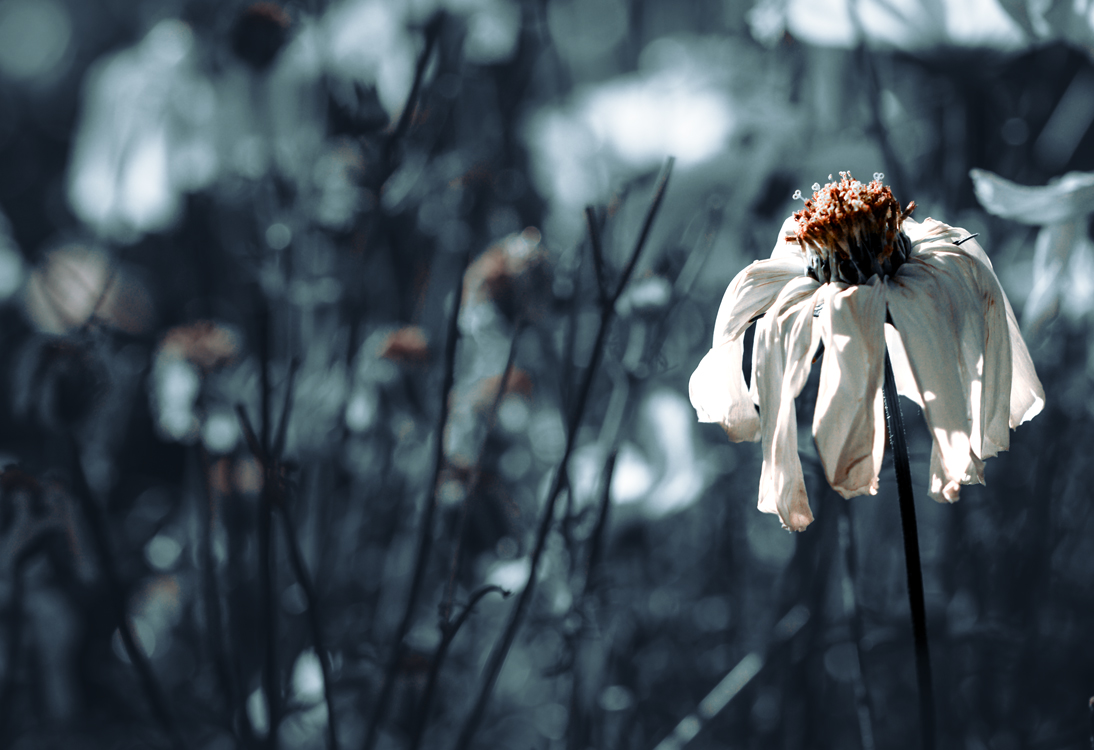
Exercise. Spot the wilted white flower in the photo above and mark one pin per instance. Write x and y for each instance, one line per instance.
(1063, 258)
(841, 268)
(908, 25)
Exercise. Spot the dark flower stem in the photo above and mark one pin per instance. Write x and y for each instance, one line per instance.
(315, 620)
(911, 557)
(505, 642)
(476, 476)
(448, 634)
(213, 612)
(100, 536)
(425, 528)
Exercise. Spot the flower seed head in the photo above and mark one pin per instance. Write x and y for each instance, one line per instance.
(851, 231)
(259, 33)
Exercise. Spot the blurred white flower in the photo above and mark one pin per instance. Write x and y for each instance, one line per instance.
(373, 41)
(626, 125)
(141, 139)
(698, 98)
(908, 25)
(1063, 258)
(851, 259)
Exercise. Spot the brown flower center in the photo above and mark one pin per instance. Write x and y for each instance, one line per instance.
(851, 231)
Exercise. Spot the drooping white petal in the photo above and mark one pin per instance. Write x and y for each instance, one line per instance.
(750, 294)
(902, 371)
(1064, 198)
(786, 340)
(849, 421)
(719, 393)
(785, 248)
(1027, 396)
(717, 387)
(946, 489)
(940, 318)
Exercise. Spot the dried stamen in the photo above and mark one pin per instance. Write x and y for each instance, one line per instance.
(851, 231)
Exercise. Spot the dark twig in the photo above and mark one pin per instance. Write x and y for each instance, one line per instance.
(598, 251)
(735, 681)
(505, 642)
(449, 631)
(277, 500)
(596, 539)
(15, 648)
(213, 612)
(473, 483)
(271, 680)
(432, 31)
(157, 700)
(425, 528)
(315, 619)
(283, 425)
(895, 422)
(577, 731)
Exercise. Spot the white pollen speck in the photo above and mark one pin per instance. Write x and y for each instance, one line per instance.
(816, 186)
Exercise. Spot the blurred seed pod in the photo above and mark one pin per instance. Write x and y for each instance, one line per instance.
(204, 344)
(75, 282)
(407, 345)
(259, 33)
(514, 274)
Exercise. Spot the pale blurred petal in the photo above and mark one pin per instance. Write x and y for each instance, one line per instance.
(751, 293)
(786, 340)
(1062, 199)
(849, 422)
(1054, 247)
(719, 393)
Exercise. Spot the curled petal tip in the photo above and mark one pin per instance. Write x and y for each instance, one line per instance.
(797, 521)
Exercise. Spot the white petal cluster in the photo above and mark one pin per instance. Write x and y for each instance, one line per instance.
(956, 351)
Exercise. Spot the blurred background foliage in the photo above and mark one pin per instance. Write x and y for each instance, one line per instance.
(291, 212)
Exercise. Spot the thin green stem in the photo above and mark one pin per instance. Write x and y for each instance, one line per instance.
(895, 422)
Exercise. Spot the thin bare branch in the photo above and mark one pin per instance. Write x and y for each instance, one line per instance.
(425, 528)
(448, 635)
(505, 642)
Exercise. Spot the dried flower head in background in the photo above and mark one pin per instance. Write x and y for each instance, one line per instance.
(259, 33)
(205, 344)
(186, 355)
(841, 268)
(76, 283)
(407, 345)
(513, 274)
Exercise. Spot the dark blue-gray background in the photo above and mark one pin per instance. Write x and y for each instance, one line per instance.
(193, 193)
